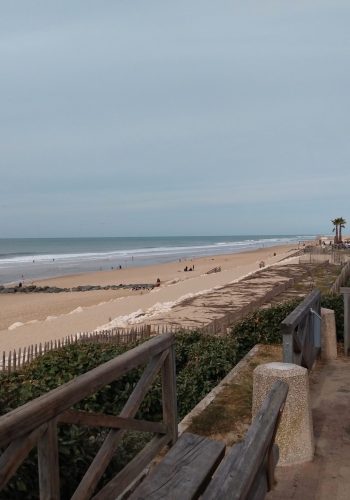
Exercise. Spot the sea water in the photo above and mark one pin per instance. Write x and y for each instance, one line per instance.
(26, 259)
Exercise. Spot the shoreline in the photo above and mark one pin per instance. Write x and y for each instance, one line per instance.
(39, 260)
(33, 318)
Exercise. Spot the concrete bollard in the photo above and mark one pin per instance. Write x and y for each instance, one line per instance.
(295, 432)
(328, 334)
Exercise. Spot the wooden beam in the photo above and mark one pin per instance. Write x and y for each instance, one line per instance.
(302, 310)
(26, 418)
(169, 394)
(49, 482)
(185, 470)
(104, 455)
(16, 452)
(235, 475)
(130, 472)
(111, 421)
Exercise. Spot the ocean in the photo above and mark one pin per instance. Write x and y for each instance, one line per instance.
(37, 258)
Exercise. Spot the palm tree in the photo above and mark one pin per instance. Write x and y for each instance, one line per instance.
(339, 224)
(335, 224)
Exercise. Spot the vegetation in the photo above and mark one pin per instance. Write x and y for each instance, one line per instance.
(338, 223)
(261, 327)
(201, 362)
(335, 302)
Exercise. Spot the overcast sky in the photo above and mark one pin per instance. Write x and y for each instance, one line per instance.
(186, 117)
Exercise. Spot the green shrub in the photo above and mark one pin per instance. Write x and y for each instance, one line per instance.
(335, 302)
(201, 363)
(261, 327)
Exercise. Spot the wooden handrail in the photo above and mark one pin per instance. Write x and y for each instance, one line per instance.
(35, 423)
(345, 291)
(301, 331)
(252, 461)
(24, 419)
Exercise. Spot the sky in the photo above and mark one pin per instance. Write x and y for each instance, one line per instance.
(186, 117)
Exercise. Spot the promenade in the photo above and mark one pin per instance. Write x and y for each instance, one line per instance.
(328, 475)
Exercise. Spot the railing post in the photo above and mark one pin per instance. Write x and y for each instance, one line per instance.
(345, 291)
(288, 356)
(49, 483)
(316, 320)
(301, 332)
(169, 394)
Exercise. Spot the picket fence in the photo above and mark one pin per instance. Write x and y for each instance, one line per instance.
(16, 359)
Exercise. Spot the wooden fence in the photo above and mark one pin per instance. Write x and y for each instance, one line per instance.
(220, 325)
(301, 331)
(342, 278)
(16, 359)
(35, 423)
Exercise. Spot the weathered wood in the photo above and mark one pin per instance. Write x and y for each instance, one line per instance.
(24, 419)
(113, 335)
(16, 452)
(235, 475)
(185, 470)
(261, 485)
(300, 338)
(125, 477)
(169, 394)
(49, 483)
(302, 310)
(107, 450)
(345, 291)
(111, 421)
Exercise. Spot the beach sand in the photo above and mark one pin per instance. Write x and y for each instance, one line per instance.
(39, 317)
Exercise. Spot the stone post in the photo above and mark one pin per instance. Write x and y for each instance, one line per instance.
(295, 433)
(328, 334)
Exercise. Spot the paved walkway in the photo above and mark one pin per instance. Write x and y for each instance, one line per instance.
(328, 476)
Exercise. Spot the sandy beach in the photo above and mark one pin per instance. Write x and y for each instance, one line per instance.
(38, 317)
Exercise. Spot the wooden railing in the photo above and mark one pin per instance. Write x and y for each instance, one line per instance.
(301, 331)
(342, 278)
(345, 291)
(35, 423)
(197, 467)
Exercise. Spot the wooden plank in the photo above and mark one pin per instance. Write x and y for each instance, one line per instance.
(104, 455)
(16, 452)
(124, 478)
(261, 485)
(185, 470)
(169, 394)
(345, 291)
(111, 421)
(235, 475)
(24, 419)
(303, 309)
(49, 483)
